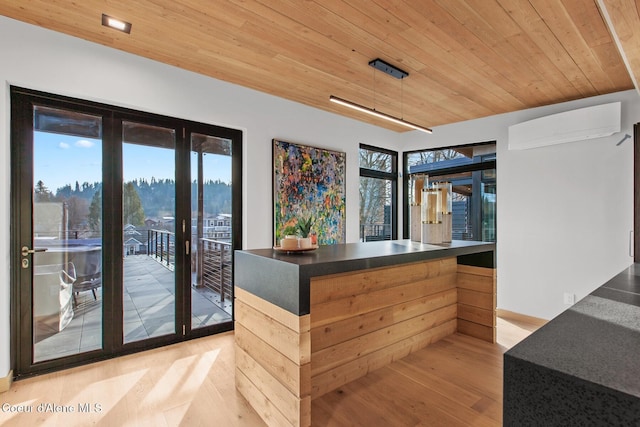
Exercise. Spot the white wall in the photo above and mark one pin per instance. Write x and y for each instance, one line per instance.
(39, 59)
(564, 212)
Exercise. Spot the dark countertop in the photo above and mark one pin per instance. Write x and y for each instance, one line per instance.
(332, 259)
(590, 354)
(283, 278)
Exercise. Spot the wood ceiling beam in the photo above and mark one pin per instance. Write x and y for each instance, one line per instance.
(623, 19)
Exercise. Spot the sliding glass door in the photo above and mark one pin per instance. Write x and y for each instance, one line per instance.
(212, 230)
(63, 253)
(124, 229)
(148, 219)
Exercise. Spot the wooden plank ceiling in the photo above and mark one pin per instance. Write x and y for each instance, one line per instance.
(466, 59)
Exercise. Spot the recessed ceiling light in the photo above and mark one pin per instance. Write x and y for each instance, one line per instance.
(116, 24)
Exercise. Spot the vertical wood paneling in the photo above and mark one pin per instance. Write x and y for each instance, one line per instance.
(477, 302)
(290, 343)
(269, 413)
(340, 286)
(352, 327)
(289, 373)
(361, 321)
(476, 330)
(295, 323)
(363, 345)
(281, 402)
(273, 354)
(330, 380)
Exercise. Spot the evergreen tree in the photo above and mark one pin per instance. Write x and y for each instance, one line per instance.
(64, 193)
(42, 193)
(95, 212)
(133, 213)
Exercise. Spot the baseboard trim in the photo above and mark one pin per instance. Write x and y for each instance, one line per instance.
(510, 315)
(5, 382)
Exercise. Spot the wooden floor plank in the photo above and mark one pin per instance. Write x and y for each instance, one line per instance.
(455, 381)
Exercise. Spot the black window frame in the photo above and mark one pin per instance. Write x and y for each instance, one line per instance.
(391, 176)
(486, 161)
(22, 100)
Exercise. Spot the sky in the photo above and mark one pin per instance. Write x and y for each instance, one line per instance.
(60, 160)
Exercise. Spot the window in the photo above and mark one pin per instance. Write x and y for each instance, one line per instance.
(378, 194)
(471, 169)
(121, 259)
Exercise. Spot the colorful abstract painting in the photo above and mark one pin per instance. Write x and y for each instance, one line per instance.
(309, 182)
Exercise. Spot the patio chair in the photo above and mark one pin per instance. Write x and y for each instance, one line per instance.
(89, 277)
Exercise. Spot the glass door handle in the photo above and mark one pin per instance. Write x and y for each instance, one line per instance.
(26, 251)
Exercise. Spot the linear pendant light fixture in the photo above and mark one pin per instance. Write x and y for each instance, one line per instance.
(387, 68)
(378, 114)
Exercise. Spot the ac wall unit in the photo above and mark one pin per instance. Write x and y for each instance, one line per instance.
(575, 125)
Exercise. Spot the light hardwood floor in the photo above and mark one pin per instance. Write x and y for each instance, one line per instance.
(455, 381)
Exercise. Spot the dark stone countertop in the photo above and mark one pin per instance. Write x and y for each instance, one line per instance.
(331, 259)
(591, 355)
(283, 278)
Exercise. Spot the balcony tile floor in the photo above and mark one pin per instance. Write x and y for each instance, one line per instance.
(149, 307)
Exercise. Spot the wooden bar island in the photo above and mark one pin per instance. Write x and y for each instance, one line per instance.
(308, 323)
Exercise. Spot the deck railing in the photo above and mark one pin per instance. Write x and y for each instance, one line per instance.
(212, 261)
(217, 271)
(375, 231)
(161, 245)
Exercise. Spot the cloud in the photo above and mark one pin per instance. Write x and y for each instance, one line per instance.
(83, 143)
(63, 145)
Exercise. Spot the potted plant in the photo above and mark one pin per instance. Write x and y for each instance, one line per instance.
(289, 230)
(289, 239)
(304, 227)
